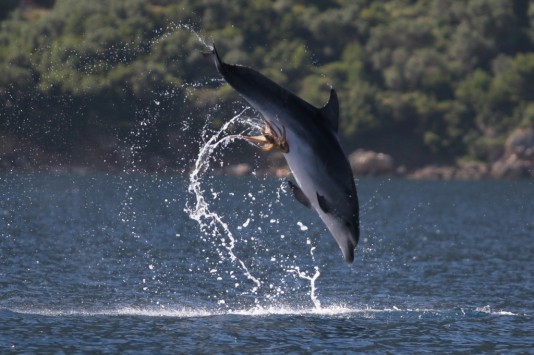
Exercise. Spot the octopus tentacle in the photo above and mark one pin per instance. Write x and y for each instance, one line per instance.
(272, 137)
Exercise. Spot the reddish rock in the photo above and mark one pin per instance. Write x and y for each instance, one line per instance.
(282, 172)
(471, 171)
(512, 168)
(521, 144)
(518, 159)
(369, 163)
(239, 170)
(433, 172)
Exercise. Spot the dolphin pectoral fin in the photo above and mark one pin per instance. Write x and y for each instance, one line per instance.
(299, 195)
(323, 204)
(330, 111)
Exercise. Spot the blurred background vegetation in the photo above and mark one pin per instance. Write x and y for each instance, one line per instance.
(427, 81)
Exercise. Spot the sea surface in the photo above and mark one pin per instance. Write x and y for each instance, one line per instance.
(161, 264)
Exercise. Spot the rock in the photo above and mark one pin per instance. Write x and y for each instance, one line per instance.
(239, 170)
(462, 171)
(521, 144)
(282, 172)
(471, 171)
(434, 172)
(369, 163)
(512, 168)
(518, 159)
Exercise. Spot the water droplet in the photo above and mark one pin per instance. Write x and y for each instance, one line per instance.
(302, 226)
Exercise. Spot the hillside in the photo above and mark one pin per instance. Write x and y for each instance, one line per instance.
(427, 82)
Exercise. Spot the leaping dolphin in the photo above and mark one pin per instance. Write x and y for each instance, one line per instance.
(309, 140)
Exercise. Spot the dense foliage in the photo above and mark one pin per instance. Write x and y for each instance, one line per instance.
(425, 80)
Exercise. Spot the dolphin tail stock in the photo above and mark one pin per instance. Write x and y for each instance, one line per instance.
(214, 55)
(221, 66)
(218, 62)
(330, 111)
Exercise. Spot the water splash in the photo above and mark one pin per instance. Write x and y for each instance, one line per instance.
(210, 222)
(216, 230)
(177, 311)
(304, 275)
(212, 225)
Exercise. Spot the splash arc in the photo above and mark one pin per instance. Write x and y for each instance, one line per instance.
(308, 138)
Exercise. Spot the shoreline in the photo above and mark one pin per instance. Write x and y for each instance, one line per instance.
(22, 156)
(462, 172)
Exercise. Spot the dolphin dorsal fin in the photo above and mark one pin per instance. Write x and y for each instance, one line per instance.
(330, 111)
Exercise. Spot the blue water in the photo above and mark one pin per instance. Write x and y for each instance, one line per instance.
(115, 264)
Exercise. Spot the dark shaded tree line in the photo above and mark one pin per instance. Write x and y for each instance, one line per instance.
(426, 81)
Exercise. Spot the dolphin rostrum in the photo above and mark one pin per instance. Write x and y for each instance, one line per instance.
(308, 138)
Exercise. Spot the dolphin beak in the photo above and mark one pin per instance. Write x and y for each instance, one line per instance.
(346, 235)
(348, 249)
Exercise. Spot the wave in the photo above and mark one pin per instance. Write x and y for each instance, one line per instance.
(185, 312)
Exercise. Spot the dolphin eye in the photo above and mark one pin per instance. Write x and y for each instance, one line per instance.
(348, 224)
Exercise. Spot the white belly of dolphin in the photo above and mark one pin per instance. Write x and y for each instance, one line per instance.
(303, 164)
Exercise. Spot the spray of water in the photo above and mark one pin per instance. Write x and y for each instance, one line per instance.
(212, 224)
(304, 275)
(209, 221)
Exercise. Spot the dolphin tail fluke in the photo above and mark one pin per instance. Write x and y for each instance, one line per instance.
(212, 53)
(330, 111)
(218, 62)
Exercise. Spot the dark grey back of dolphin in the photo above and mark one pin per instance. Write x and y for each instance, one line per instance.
(247, 80)
(317, 129)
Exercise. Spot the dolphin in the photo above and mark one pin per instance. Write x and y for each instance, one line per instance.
(308, 138)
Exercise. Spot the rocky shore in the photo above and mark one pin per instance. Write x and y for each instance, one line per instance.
(515, 162)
